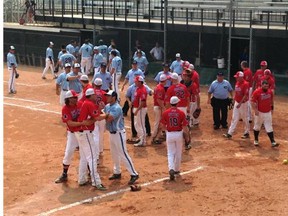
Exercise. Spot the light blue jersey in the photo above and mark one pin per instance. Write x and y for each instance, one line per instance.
(103, 50)
(106, 80)
(220, 90)
(114, 110)
(117, 51)
(70, 48)
(74, 84)
(97, 60)
(67, 58)
(176, 67)
(130, 93)
(141, 62)
(168, 75)
(86, 50)
(142, 52)
(49, 53)
(11, 60)
(62, 81)
(131, 74)
(117, 64)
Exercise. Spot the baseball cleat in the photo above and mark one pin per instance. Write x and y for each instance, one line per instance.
(228, 136)
(133, 179)
(115, 176)
(274, 144)
(83, 183)
(101, 187)
(172, 174)
(245, 136)
(139, 144)
(61, 179)
(256, 143)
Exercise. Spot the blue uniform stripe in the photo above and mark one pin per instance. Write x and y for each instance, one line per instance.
(92, 168)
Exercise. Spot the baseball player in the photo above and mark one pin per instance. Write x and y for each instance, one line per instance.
(105, 77)
(97, 59)
(86, 57)
(140, 110)
(141, 62)
(116, 71)
(58, 58)
(115, 125)
(258, 74)
(248, 76)
(175, 123)
(66, 58)
(71, 47)
(62, 85)
(269, 78)
(241, 98)
(195, 76)
(157, 52)
(167, 73)
(84, 80)
(103, 49)
(49, 61)
(73, 79)
(12, 65)
(159, 107)
(142, 52)
(262, 104)
(84, 135)
(176, 65)
(70, 113)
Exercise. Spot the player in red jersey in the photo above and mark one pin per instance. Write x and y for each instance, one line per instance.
(248, 76)
(241, 98)
(70, 113)
(89, 111)
(269, 78)
(179, 90)
(140, 110)
(262, 104)
(258, 74)
(174, 120)
(86, 85)
(159, 107)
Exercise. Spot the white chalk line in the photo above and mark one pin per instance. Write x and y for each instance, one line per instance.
(39, 103)
(89, 200)
(31, 85)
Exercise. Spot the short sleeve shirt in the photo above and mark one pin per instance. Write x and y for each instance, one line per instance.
(88, 110)
(174, 119)
(264, 100)
(140, 95)
(241, 90)
(114, 110)
(71, 113)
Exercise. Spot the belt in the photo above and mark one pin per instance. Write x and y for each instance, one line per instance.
(81, 131)
(64, 89)
(113, 132)
(175, 131)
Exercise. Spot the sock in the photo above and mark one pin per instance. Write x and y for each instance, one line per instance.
(65, 169)
(256, 134)
(271, 136)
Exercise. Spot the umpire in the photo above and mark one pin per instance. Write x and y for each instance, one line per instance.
(220, 89)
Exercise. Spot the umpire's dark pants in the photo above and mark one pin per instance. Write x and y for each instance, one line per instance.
(219, 105)
(147, 124)
(125, 108)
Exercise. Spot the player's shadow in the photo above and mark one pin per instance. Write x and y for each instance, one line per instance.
(179, 185)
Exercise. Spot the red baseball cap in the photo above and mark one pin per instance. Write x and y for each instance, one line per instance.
(139, 79)
(239, 74)
(263, 63)
(267, 72)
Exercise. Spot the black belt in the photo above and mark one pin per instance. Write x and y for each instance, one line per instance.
(113, 132)
(81, 131)
(175, 131)
(64, 89)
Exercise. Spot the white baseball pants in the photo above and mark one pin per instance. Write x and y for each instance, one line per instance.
(119, 153)
(87, 150)
(48, 65)
(101, 130)
(115, 83)
(86, 65)
(174, 141)
(193, 107)
(71, 145)
(139, 123)
(96, 69)
(263, 118)
(62, 97)
(249, 105)
(96, 139)
(239, 113)
(157, 114)
(11, 82)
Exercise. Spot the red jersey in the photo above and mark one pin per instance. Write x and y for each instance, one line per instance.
(270, 81)
(71, 113)
(248, 76)
(140, 95)
(263, 99)
(257, 77)
(195, 78)
(84, 91)
(89, 110)
(194, 92)
(100, 96)
(159, 94)
(241, 90)
(180, 91)
(174, 119)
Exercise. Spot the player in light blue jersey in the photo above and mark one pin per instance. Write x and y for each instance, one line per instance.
(168, 76)
(86, 52)
(62, 85)
(74, 80)
(141, 62)
(105, 77)
(116, 71)
(103, 49)
(49, 61)
(12, 65)
(98, 59)
(58, 59)
(67, 58)
(176, 65)
(71, 47)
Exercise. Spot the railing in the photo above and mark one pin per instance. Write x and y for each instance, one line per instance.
(186, 11)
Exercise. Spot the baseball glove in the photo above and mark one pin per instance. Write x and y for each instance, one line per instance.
(16, 74)
(197, 113)
(230, 103)
(135, 188)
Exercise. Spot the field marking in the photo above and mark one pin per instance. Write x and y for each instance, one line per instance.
(90, 200)
(39, 103)
(31, 85)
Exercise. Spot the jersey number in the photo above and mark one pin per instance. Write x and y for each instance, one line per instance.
(173, 122)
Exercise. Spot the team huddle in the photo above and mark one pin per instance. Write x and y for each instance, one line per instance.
(92, 106)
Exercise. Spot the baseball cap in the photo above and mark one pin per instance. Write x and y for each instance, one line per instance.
(263, 63)
(70, 94)
(220, 73)
(174, 100)
(139, 79)
(111, 93)
(134, 62)
(67, 65)
(51, 43)
(163, 77)
(84, 77)
(113, 52)
(12, 47)
(267, 72)
(98, 82)
(89, 91)
(103, 64)
(139, 51)
(191, 67)
(174, 76)
(165, 64)
(96, 48)
(239, 74)
(178, 55)
(77, 65)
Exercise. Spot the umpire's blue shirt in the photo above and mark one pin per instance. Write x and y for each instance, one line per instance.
(220, 90)
(114, 110)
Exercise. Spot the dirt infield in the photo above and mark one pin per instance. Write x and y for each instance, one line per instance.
(220, 177)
